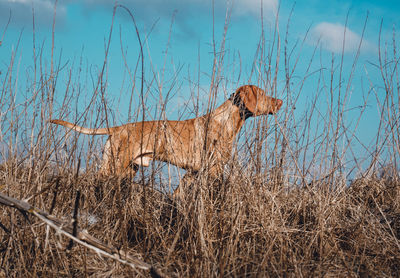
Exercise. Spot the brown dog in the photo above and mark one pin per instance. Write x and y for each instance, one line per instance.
(185, 144)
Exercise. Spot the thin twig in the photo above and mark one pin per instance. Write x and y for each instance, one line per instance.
(81, 237)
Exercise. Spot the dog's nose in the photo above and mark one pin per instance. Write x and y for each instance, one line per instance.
(279, 102)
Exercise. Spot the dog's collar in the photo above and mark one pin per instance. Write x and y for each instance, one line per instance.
(244, 112)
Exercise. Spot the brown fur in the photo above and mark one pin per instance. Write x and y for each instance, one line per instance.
(181, 143)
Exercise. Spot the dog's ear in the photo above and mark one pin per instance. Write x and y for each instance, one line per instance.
(249, 95)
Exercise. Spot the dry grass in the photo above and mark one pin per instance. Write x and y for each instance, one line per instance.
(246, 227)
(285, 207)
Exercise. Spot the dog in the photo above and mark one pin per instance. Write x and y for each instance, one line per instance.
(186, 144)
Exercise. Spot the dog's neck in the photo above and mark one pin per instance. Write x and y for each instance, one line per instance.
(229, 118)
(236, 100)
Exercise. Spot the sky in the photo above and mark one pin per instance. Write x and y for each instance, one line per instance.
(184, 29)
(178, 41)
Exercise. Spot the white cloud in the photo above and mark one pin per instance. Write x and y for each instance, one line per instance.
(188, 8)
(186, 11)
(254, 7)
(16, 1)
(21, 11)
(147, 10)
(332, 36)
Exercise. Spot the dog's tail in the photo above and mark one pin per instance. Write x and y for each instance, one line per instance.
(84, 130)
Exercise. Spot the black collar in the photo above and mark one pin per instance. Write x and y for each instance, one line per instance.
(245, 113)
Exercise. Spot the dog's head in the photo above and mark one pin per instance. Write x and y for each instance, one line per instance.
(253, 101)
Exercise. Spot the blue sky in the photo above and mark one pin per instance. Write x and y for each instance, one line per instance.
(178, 39)
(83, 26)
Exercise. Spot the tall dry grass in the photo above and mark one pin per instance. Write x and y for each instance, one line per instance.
(303, 194)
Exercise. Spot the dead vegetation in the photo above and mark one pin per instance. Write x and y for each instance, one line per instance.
(246, 228)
